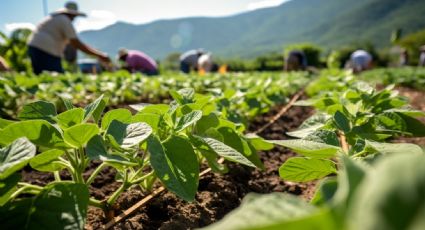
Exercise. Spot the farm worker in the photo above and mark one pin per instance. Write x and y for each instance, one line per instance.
(360, 60)
(422, 56)
(48, 42)
(205, 62)
(189, 60)
(137, 61)
(3, 65)
(404, 58)
(296, 60)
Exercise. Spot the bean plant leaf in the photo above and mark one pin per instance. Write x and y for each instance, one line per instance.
(413, 126)
(187, 120)
(393, 193)
(226, 151)
(15, 156)
(40, 132)
(4, 123)
(258, 142)
(67, 103)
(300, 169)
(183, 96)
(60, 205)
(207, 122)
(235, 141)
(324, 136)
(93, 109)
(96, 150)
(152, 119)
(122, 115)
(309, 148)
(8, 186)
(275, 211)
(42, 110)
(77, 136)
(129, 135)
(176, 165)
(342, 121)
(70, 118)
(349, 179)
(394, 148)
(47, 161)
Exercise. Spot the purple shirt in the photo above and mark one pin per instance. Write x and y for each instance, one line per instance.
(139, 61)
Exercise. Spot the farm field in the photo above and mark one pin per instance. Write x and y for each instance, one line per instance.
(319, 147)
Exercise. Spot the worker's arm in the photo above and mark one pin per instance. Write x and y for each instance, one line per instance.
(89, 50)
(3, 65)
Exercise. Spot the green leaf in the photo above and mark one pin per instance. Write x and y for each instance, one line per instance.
(77, 136)
(413, 126)
(394, 148)
(226, 151)
(206, 122)
(258, 142)
(94, 109)
(68, 103)
(276, 211)
(325, 191)
(392, 195)
(309, 148)
(324, 136)
(47, 161)
(122, 115)
(299, 169)
(4, 123)
(349, 178)
(128, 135)
(40, 132)
(42, 110)
(59, 206)
(96, 150)
(70, 118)
(183, 96)
(8, 186)
(151, 119)
(235, 141)
(176, 165)
(187, 120)
(15, 156)
(342, 122)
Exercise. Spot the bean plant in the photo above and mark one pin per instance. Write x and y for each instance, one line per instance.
(165, 142)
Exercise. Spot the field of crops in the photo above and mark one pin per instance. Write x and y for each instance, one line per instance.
(329, 150)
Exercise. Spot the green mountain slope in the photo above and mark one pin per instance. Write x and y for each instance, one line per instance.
(326, 22)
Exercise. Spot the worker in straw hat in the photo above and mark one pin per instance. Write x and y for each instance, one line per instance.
(48, 41)
(137, 61)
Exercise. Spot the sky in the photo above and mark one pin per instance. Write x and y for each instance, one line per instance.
(101, 13)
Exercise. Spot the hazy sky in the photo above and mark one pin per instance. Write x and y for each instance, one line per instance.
(27, 13)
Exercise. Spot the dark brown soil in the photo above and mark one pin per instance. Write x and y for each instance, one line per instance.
(217, 194)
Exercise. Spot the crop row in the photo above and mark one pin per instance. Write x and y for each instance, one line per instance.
(366, 181)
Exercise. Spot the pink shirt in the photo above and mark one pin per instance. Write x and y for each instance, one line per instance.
(139, 61)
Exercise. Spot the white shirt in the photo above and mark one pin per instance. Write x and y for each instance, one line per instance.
(53, 34)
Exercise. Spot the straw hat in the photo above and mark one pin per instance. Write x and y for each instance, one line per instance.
(122, 52)
(70, 8)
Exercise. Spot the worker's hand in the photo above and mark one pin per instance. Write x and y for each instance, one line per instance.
(104, 58)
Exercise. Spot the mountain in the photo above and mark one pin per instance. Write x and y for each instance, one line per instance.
(329, 23)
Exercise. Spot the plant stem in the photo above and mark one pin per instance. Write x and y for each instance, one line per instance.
(95, 172)
(116, 194)
(121, 189)
(97, 203)
(57, 176)
(142, 178)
